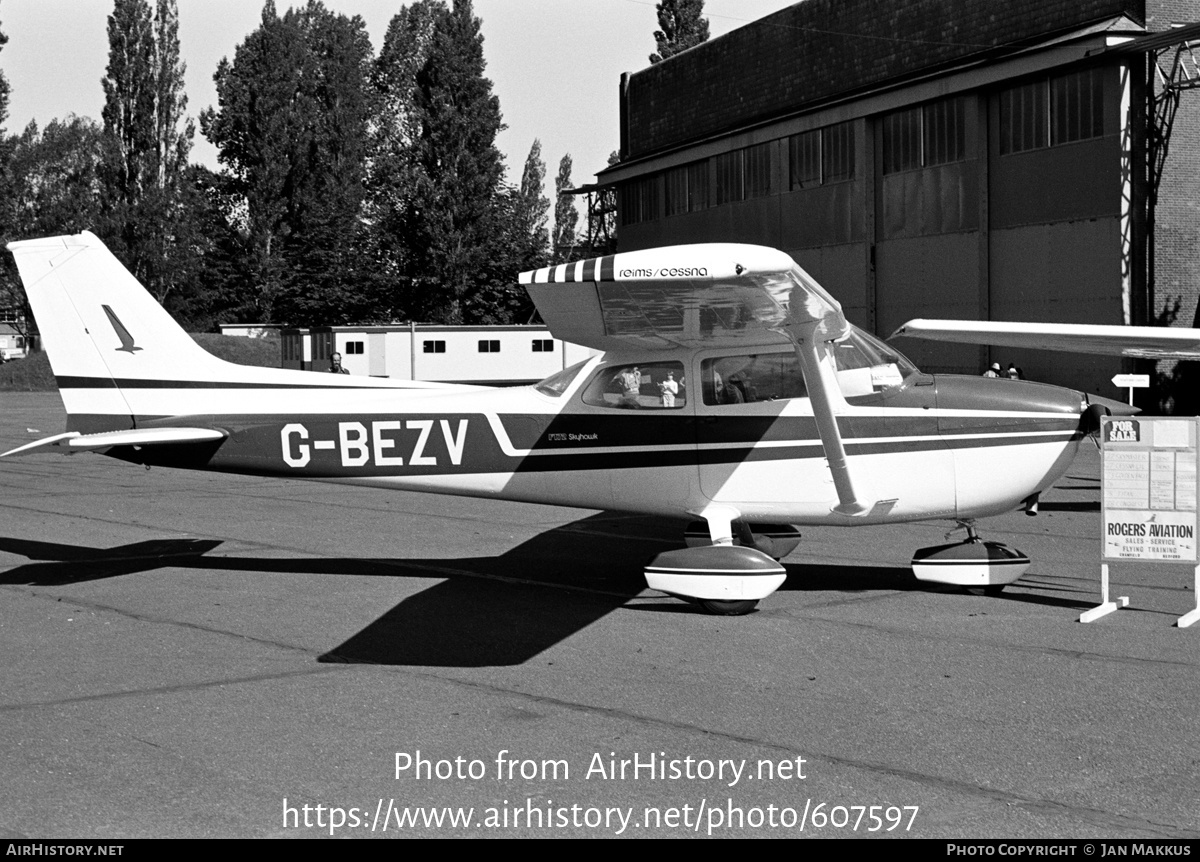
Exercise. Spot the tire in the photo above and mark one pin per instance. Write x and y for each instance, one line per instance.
(991, 591)
(729, 608)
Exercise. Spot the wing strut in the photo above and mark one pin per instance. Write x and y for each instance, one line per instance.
(820, 381)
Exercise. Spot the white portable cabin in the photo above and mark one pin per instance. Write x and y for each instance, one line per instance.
(295, 349)
(488, 355)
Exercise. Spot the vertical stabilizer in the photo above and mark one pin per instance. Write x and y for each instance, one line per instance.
(103, 331)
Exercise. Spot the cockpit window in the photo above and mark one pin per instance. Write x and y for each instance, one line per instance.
(648, 386)
(558, 383)
(750, 378)
(865, 364)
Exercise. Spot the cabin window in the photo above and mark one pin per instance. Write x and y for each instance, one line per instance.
(866, 365)
(433, 346)
(543, 345)
(354, 347)
(558, 383)
(751, 378)
(489, 346)
(649, 386)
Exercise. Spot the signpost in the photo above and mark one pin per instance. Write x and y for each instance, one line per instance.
(1148, 488)
(1131, 382)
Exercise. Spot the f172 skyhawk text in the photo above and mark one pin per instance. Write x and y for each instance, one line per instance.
(730, 389)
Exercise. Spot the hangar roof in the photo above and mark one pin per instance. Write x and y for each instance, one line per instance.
(818, 50)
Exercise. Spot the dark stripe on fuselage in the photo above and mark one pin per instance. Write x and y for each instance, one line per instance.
(132, 383)
(337, 446)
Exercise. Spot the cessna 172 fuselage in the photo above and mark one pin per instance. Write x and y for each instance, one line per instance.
(731, 390)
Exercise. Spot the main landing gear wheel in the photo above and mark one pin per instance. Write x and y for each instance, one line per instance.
(991, 591)
(728, 608)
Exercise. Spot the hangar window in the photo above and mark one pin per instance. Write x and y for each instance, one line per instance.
(821, 156)
(804, 160)
(677, 191)
(687, 188)
(729, 177)
(697, 174)
(932, 134)
(639, 200)
(1077, 106)
(837, 153)
(757, 163)
(1049, 112)
(902, 141)
(1024, 118)
(945, 131)
(652, 386)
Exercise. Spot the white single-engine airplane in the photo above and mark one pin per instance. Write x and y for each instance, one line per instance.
(731, 389)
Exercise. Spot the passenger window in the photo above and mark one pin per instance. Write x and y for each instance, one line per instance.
(753, 378)
(650, 386)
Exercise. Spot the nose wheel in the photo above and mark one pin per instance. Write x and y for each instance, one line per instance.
(980, 568)
(728, 608)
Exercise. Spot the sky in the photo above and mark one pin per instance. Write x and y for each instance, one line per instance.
(554, 64)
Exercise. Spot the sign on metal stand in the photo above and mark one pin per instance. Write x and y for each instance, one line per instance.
(1148, 490)
(1132, 382)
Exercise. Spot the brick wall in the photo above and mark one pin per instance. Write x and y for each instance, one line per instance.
(819, 49)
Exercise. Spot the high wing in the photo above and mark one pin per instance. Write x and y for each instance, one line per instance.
(1138, 342)
(703, 295)
(706, 295)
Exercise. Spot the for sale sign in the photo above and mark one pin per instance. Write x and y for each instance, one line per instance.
(1148, 483)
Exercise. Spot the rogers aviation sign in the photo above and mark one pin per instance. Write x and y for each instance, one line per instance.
(1148, 483)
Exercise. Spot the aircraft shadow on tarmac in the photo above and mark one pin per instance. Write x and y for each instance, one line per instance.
(54, 564)
(483, 611)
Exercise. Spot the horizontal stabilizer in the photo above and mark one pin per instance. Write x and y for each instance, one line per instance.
(72, 442)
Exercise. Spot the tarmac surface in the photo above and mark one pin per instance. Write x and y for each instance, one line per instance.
(198, 655)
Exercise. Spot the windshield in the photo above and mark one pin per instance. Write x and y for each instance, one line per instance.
(865, 364)
(556, 384)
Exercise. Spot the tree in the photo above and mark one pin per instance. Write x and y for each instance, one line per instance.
(291, 131)
(532, 209)
(566, 216)
(682, 27)
(51, 185)
(147, 141)
(454, 204)
(4, 89)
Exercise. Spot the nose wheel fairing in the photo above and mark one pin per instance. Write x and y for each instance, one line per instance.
(977, 565)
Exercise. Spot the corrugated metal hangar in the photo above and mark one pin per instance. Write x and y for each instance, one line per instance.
(938, 158)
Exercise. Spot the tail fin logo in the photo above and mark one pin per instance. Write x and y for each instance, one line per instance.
(127, 344)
